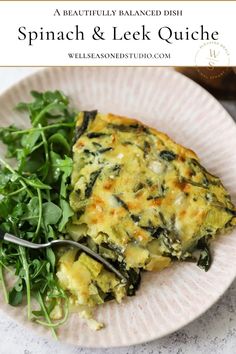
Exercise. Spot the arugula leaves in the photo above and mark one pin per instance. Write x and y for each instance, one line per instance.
(33, 201)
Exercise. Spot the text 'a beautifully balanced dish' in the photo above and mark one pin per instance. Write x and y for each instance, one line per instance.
(125, 190)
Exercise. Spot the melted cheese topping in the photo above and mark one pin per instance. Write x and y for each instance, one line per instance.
(142, 181)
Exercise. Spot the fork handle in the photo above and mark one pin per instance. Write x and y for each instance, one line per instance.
(22, 242)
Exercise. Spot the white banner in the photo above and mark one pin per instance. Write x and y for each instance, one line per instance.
(162, 33)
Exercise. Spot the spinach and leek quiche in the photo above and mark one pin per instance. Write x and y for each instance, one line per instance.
(141, 201)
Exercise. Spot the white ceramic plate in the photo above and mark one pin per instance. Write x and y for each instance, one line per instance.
(174, 104)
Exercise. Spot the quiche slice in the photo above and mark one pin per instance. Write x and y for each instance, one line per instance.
(141, 201)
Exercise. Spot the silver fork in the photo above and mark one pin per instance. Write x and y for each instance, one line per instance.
(19, 241)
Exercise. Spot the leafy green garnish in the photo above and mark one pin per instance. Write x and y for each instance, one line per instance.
(33, 202)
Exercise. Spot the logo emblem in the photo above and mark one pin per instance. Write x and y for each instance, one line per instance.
(211, 58)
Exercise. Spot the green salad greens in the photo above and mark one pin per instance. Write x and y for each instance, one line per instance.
(34, 203)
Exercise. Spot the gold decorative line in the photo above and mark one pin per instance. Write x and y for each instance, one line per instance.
(111, 1)
(109, 66)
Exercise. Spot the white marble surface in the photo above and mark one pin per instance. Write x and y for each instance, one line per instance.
(214, 332)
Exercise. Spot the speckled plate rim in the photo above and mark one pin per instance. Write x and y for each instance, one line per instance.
(230, 279)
